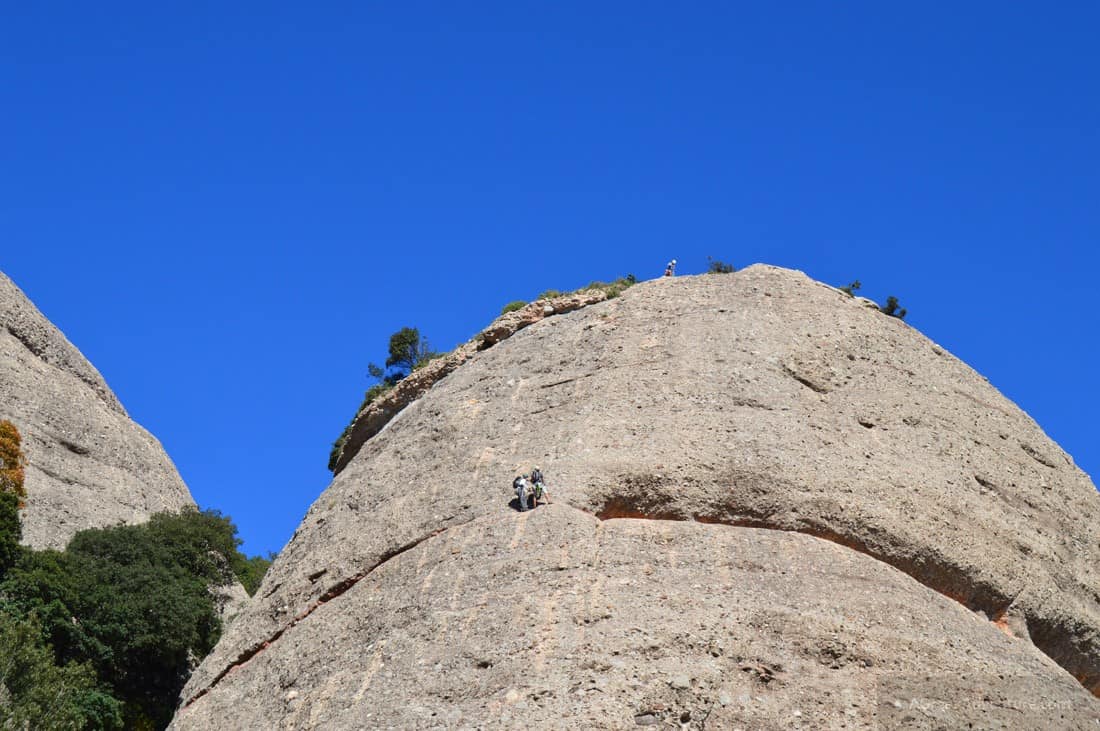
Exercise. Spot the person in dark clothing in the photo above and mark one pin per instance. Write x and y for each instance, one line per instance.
(540, 487)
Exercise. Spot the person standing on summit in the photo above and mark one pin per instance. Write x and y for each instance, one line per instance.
(670, 270)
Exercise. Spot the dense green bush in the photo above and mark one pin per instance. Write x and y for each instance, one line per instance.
(512, 307)
(253, 570)
(11, 531)
(36, 693)
(134, 604)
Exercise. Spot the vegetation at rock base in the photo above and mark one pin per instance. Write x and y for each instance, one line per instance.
(36, 693)
(104, 634)
(716, 266)
(251, 571)
(11, 531)
(12, 461)
(849, 289)
(512, 307)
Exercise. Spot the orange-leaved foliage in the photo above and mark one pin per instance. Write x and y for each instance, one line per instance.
(12, 461)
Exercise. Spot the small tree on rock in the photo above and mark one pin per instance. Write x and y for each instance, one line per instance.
(892, 308)
(408, 351)
(851, 288)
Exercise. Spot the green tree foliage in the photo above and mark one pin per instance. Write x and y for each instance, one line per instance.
(253, 571)
(716, 266)
(893, 309)
(134, 602)
(851, 288)
(512, 307)
(36, 693)
(11, 531)
(408, 350)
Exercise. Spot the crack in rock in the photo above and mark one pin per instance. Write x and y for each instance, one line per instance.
(1038, 456)
(805, 381)
(331, 593)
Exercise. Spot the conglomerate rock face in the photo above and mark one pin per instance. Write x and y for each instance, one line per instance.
(89, 464)
(773, 508)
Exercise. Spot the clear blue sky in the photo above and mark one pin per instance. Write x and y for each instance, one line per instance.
(228, 207)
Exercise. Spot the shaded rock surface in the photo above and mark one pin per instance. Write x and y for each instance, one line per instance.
(690, 430)
(89, 464)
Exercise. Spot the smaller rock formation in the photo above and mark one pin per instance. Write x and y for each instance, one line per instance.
(89, 464)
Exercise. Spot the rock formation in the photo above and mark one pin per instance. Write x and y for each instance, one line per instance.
(378, 413)
(773, 508)
(89, 464)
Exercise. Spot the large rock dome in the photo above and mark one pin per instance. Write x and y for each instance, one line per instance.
(773, 507)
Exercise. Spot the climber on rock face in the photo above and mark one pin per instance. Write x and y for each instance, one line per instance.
(539, 487)
(520, 486)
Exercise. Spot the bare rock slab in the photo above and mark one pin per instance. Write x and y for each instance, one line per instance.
(553, 619)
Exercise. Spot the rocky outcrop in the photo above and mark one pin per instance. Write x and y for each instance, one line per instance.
(774, 508)
(89, 464)
(375, 415)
